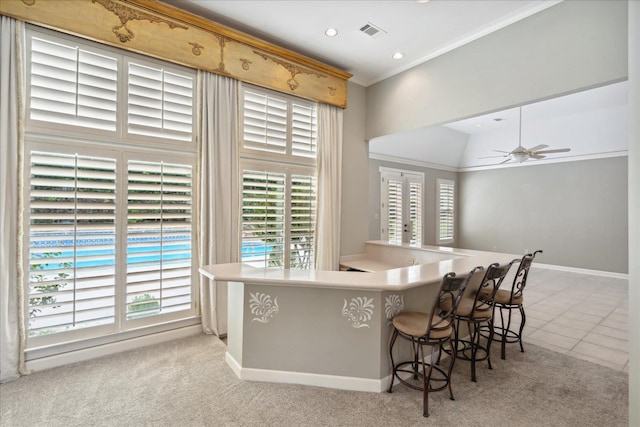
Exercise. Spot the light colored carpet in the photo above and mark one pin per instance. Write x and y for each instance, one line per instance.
(187, 383)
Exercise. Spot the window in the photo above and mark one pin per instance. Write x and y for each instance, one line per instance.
(401, 206)
(109, 231)
(278, 150)
(446, 210)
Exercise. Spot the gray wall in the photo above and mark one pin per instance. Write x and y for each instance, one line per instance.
(576, 212)
(355, 175)
(570, 46)
(429, 205)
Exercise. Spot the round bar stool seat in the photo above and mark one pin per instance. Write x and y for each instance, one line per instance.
(507, 300)
(476, 310)
(434, 329)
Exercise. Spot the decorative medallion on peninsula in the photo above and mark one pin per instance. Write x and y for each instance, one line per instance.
(262, 307)
(359, 311)
(393, 305)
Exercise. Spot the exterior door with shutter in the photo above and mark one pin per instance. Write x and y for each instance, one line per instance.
(401, 196)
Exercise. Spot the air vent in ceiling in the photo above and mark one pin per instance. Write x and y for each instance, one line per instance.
(372, 30)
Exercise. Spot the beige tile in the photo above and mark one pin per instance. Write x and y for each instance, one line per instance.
(588, 358)
(612, 332)
(573, 323)
(603, 353)
(626, 368)
(543, 344)
(582, 317)
(607, 341)
(535, 323)
(600, 310)
(623, 326)
(534, 313)
(618, 317)
(564, 330)
(554, 339)
(541, 307)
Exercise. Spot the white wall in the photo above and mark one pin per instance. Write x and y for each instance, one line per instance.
(355, 176)
(568, 47)
(634, 214)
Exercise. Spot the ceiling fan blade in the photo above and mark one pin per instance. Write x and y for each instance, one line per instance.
(538, 147)
(558, 150)
(505, 161)
(500, 151)
(537, 156)
(492, 157)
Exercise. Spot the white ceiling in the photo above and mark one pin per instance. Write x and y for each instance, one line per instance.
(419, 30)
(590, 122)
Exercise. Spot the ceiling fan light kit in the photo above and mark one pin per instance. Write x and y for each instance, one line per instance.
(521, 154)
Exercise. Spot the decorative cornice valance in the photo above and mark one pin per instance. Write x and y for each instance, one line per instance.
(163, 31)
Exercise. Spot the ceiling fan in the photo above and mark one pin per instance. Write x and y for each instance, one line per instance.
(521, 154)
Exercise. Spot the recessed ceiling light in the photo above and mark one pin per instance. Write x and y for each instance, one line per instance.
(422, 1)
(478, 125)
(331, 32)
(398, 55)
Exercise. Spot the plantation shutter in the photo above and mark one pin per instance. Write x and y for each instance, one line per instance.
(395, 210)
(70, 85)
(415, 212)
(160, 103)
(263, 218)
(72, 201)
(304, 128)
(159, 245)
(401, 206)
(446, 204)
(303, 220)
(265, 122)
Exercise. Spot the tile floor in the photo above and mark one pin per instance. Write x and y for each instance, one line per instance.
(583, 316)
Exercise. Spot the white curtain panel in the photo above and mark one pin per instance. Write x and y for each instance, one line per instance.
(327, 239)
(219, 200)
(11, 298)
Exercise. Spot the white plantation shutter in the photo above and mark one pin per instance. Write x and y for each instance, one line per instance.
(71, 85)
(264, 122)
(263, 218)
(401, 204)
(72, 231)
(279, 124)
(415, 212)
(303, 221)
(159, 244)
(279, 201)
(110, 226)
(304, 130)
(395, 210)
(160, 103)
(446, 211)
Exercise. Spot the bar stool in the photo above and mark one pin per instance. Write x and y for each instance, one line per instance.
(476, 309)
(434, 329)
(508, 300)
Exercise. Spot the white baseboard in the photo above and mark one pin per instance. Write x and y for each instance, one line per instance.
(304, 378)
(600, 273)
(82, 355)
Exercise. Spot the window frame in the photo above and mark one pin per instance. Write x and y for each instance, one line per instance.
(286, 163)
(440, 183)
(121, 133)
(51, 137)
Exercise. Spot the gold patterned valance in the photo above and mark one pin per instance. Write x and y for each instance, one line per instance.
(169, 33)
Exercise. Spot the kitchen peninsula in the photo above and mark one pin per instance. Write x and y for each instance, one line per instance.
(331, 328)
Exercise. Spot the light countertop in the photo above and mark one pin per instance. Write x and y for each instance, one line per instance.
(394, 279)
